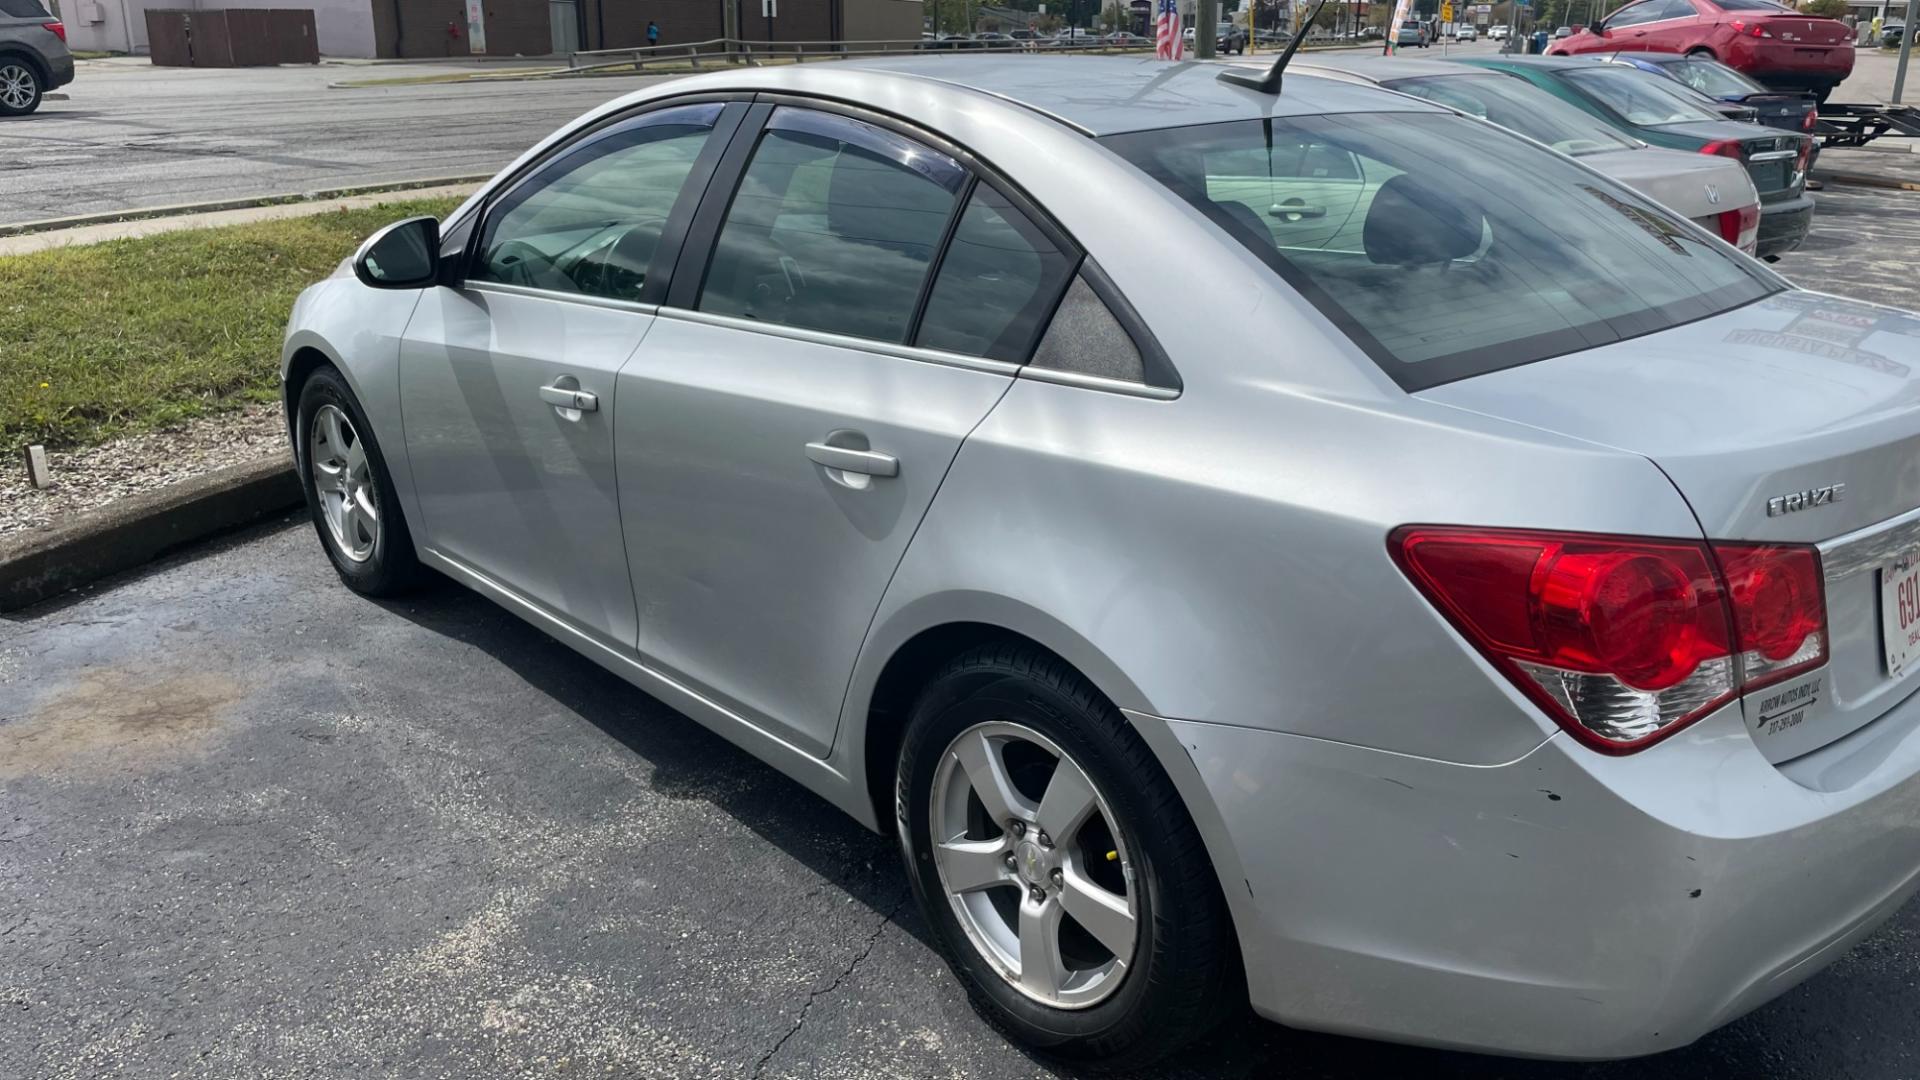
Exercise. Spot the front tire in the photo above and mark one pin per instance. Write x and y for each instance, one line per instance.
(350, 491)
(1061, 875)
(20, 87)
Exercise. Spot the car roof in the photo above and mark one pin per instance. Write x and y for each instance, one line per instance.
(1654, 57)
(1559, 63)
(1100, 95)
(1381, 68)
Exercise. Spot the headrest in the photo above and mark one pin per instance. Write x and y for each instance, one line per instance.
(1411, 224)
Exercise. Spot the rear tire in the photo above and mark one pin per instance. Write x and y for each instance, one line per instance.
(21, 88)
(1134, 845)
(350, 491)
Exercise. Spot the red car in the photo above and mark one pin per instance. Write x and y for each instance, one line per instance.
(1765, 41)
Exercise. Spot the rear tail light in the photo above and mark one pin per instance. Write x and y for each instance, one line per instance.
(1740, 227)
(1806, 156)
(1727, 148)
(59, 29)
(1623, 640)
(1751, 29)
(1811, 120)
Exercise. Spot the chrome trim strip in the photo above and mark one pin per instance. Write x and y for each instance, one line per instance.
(571, 298)
(1869, 547)
(1095, 382)
(842, 341)
(1774, 155)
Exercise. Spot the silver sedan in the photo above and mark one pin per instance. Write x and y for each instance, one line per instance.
(1311, 548)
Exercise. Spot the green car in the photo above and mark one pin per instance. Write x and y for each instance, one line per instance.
(1640, 105)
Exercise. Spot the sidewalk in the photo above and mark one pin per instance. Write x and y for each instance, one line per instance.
(119, 230)
(1891, 166)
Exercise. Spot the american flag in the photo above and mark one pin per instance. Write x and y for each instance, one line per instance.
(1167, 43)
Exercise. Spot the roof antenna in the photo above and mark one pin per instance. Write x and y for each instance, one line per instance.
(1269, 83)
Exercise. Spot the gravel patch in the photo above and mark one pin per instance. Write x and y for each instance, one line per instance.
(88, 479)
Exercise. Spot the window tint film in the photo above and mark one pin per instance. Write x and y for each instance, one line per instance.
(589, 222)
(1519, 106)
(24, 9)
(998, 281)
(1460, 249)
(833, 227)
(1642, 97)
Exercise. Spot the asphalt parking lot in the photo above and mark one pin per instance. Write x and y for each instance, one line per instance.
(134, 135)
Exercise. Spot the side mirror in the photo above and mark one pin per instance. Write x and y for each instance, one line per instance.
(404, 255)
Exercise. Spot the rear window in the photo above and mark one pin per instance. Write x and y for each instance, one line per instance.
(1714, 79)
(1443, 246)
(1642, 97)
(24, 9)
(1519, 106)
(1752, 5)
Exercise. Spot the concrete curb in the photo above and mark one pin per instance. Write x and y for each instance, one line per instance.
(181, 209)
(129, 532)
(1887, 183)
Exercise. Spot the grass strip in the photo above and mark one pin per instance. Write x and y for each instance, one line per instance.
(137, 334)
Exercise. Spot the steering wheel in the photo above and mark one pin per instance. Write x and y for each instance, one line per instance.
(516, 262)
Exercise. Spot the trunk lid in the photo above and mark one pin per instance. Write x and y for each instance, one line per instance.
(1804, 32)
(1770, 155)
(1692, 185)
(1795, 419)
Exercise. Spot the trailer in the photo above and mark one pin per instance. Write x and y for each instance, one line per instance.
(1857, 125)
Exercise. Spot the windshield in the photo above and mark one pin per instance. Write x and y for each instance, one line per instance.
(1443, 246)
(1713, 78)
(1521, 107)
(1640, 96)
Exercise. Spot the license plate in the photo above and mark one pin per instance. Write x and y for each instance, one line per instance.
(1769, 175)
(1900, 613)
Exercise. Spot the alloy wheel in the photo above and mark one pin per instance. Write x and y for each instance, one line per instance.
(343, 482)
(1034, 864)
(16, 86)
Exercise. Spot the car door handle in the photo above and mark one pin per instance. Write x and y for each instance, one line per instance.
(562, 397)
(866, 462)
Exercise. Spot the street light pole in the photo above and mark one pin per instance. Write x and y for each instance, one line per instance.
(1906, 51)
(1206, 25)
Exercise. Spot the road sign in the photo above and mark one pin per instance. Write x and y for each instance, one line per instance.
(1446, 13)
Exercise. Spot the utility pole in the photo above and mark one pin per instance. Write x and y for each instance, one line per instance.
(1906, 51)
(1206, 26)
(730, 18)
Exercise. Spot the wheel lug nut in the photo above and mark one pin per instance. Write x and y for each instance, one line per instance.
(1009, 860)
(1037, 894)
(1045, 840)
(1018, 827)
(1058, 878)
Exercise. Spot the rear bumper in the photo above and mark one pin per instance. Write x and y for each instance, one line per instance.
(1784, 224)
(1564, 905)
(59, 70)
(1785, 66)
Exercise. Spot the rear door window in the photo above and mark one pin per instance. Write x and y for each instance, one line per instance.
(999, 279)
(24, 9)
(1465, 250)
(834, 227)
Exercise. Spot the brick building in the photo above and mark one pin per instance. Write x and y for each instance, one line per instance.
(539, 27)
(440, 28)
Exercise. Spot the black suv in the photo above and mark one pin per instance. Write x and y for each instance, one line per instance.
(33, 55)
